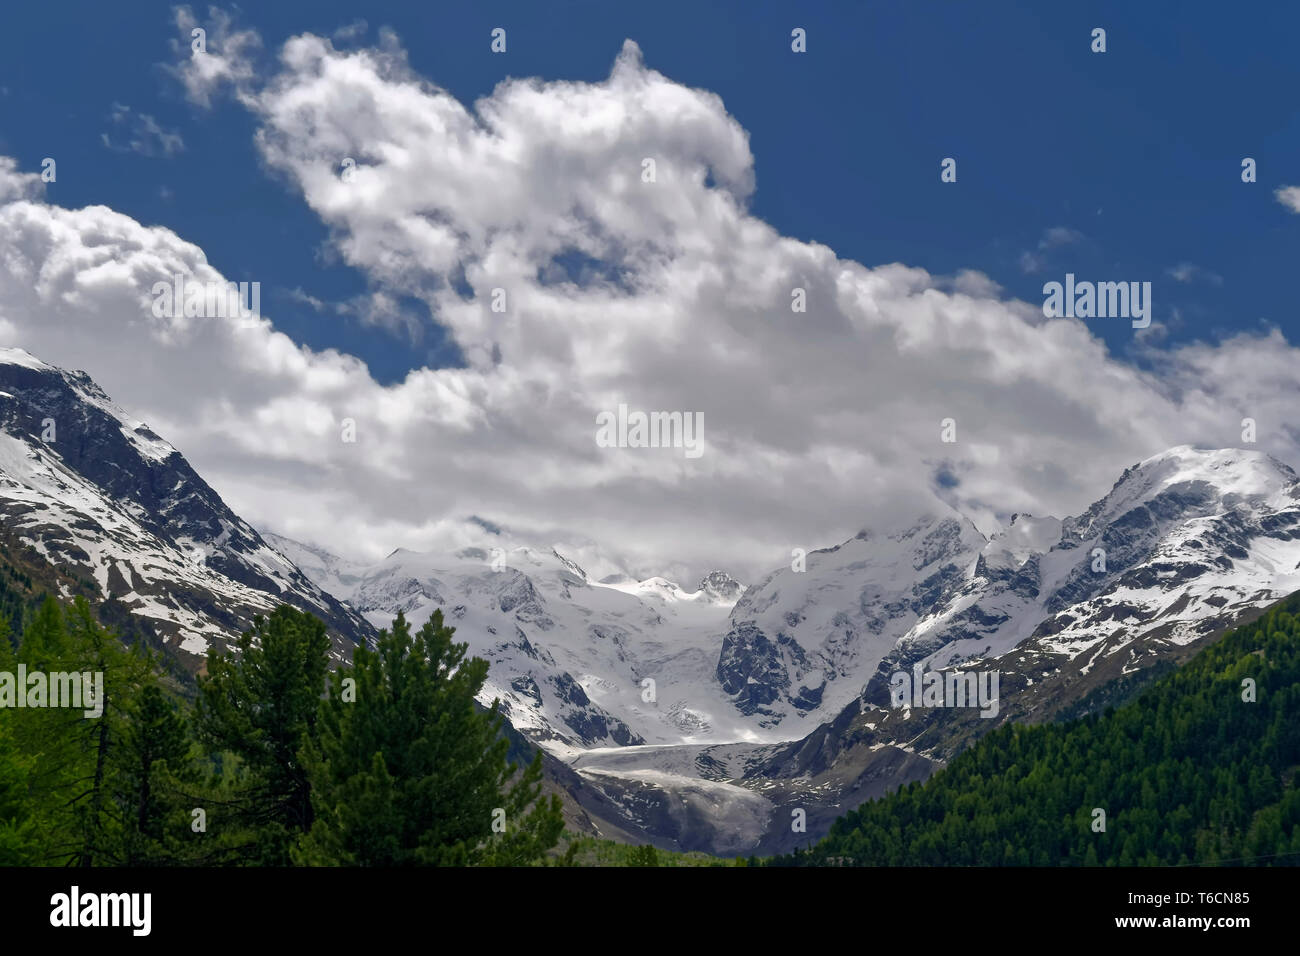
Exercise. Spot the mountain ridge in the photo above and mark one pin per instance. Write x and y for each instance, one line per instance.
(91, 487)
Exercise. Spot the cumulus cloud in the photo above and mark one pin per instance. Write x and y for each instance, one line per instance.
(663, 295)
(17, 184)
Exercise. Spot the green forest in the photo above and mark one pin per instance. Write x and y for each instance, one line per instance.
(1198, 770)
(276, 761)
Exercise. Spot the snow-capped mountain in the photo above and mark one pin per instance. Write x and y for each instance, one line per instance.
(1182, 545)
(93, 489)
(1072, 614)
(1191, 540)
(669, 701)
(574, 662)
(803, 641)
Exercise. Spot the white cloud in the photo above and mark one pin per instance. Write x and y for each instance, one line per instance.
(816, 423)
(1289, 196)
(227, 58)
(16, 184)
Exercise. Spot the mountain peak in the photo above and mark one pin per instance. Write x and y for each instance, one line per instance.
(76, 400)
(1194, 454)
(1239, 471)
(1184, 481)
(721, 586)
(87, 484)
(17, 356)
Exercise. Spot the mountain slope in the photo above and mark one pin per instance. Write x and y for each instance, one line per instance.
(1191, 540)
(1200, 768)
(92, 489)
(802, 643)
(574, 662)
(1195, 542)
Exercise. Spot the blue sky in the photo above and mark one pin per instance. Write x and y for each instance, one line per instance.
(1132, 156)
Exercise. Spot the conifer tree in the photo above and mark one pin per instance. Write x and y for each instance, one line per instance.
(261, 707)
(96, 650)
(408, 769)
(151, 764)
(66, 752)
(18, 846)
